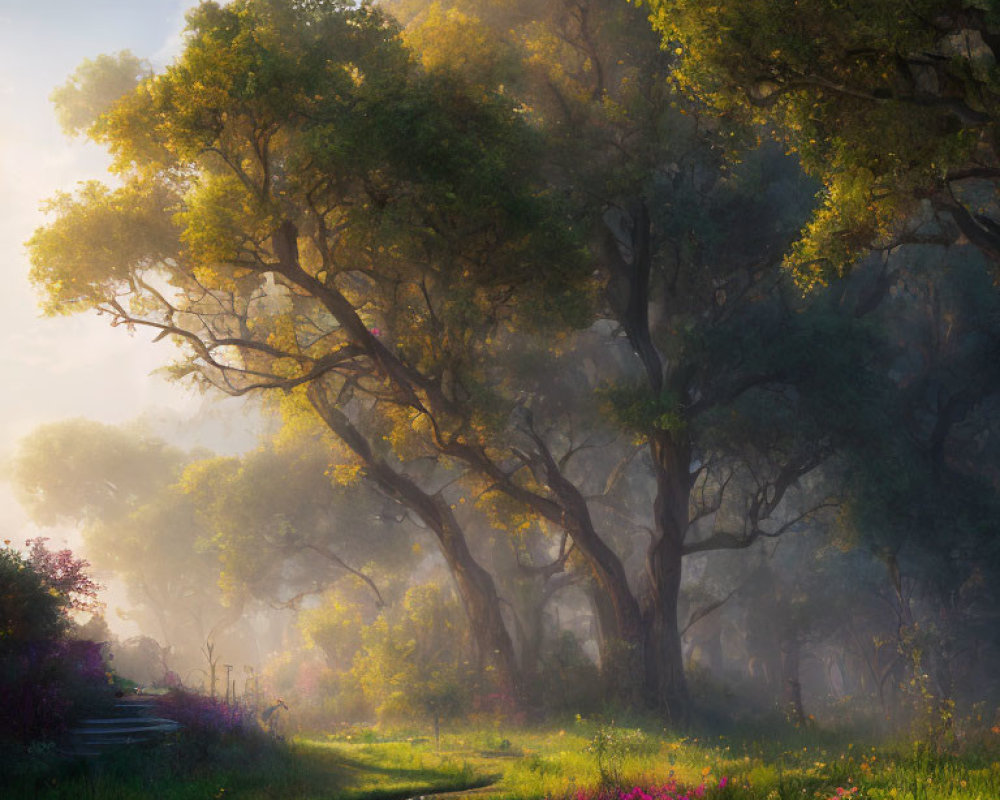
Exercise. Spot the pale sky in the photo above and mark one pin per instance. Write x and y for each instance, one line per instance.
(52, 369)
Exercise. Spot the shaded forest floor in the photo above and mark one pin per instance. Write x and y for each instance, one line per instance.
(522, 764)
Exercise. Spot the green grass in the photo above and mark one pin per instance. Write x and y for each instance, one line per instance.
(304, 770)
(519, 764)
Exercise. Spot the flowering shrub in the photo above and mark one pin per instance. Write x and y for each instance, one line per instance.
(64, 575)
(667, 791)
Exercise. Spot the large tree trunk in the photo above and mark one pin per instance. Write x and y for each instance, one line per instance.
(664, 655)
(475, 585)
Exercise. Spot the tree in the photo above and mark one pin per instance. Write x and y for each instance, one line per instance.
(743, 386)
(95, 86)
(328, 217)
(118, 486)
(892, 105)
(64, 577)
(926, 506)
(81, 471)
(30, 610)
(286, 524)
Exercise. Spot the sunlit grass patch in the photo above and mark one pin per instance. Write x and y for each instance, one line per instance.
(389, 769)
(555, 763)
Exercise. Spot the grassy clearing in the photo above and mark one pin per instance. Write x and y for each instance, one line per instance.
(520, 764)
(554, 763)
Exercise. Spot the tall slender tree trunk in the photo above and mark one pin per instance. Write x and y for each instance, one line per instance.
(607, 627)
(621, 652)
(791, 683)
(706, 647)
(481, 601)
(530, 640)
(622, 637)
(621, 640)
(529, 615)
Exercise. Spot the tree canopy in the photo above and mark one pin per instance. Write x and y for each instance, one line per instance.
(892, 105)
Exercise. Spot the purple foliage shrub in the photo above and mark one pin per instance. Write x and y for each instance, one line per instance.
(205, 715)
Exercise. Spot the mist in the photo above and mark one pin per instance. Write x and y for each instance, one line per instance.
(530, 394)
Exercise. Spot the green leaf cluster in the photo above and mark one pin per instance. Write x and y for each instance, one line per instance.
(636, 409)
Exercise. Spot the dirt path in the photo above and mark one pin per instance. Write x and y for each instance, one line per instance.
(459, 794)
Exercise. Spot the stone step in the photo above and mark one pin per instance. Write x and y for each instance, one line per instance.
(135, 723)
(159, 727)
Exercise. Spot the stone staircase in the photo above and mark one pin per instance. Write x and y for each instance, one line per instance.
(131, 721)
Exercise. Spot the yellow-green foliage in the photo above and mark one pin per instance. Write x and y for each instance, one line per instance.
(104, 237)
(835, 83)
(451, 39)
(334, 626)
(219, 213)
(413, 662)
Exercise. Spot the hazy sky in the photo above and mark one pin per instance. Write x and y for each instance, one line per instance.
(56, 368)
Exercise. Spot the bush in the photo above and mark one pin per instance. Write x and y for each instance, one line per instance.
(46, 677)
(569, 682)
(611, 746)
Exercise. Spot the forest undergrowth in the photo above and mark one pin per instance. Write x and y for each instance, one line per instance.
(584, 760)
